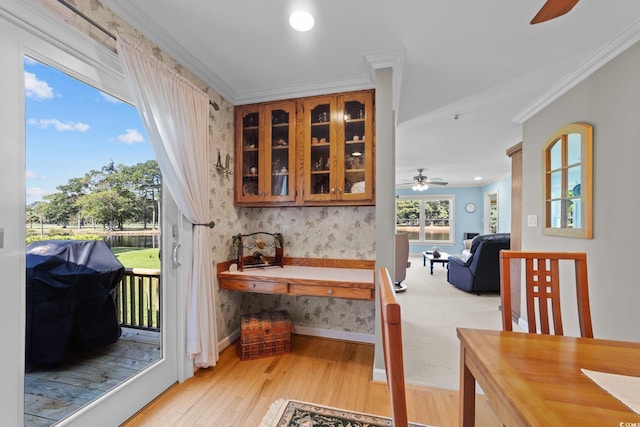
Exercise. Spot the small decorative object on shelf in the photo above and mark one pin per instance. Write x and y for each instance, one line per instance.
(260, 249)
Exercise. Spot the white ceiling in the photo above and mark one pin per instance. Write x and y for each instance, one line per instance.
(479, 60)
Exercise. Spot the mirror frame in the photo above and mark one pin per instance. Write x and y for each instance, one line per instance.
(585, 130)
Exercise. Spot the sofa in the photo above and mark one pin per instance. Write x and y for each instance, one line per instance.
(478, 268)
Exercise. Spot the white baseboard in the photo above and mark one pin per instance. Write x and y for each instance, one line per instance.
(379, 375)
(332, 333)
(314, 332)
(228, 340)
(523, 324)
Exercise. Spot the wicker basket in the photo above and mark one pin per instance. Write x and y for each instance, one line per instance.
(264, 334)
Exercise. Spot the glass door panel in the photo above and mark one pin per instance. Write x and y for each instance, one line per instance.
(320, 145)
(250, 159)
(280, 124)
(354, 147)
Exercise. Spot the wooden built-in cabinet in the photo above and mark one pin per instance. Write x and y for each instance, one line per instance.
(338, 149)
(266, 154)
(329, 145)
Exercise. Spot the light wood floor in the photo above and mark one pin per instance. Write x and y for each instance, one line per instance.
(329, 372)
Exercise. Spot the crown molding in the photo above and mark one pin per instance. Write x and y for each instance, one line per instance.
(141, 22)
(622, 42)
(335, 86)
(393, 60)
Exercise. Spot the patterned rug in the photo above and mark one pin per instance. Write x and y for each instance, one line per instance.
(292, 413)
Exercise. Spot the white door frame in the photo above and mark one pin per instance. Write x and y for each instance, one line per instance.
(487, 210)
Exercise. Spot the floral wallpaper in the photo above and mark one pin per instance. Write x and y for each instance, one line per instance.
(318, 232)
(326, 232)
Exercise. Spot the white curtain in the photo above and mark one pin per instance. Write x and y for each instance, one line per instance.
(175, 115)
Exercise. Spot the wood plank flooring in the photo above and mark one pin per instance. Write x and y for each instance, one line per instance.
(329, 372)
(53, 394)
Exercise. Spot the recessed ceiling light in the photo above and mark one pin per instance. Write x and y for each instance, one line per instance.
(301, 21)
(477, 178)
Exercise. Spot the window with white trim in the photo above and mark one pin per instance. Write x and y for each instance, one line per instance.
(427, 219)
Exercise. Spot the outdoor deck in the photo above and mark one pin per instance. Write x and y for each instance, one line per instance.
(51, 395)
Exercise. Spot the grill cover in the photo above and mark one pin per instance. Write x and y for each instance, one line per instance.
(71, 291)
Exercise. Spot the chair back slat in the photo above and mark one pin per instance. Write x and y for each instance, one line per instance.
(392, 348)
(542, 290)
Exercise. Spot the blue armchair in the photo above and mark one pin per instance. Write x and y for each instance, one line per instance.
(478, 270)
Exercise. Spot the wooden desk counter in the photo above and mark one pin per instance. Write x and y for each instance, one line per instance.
(536, 380)
(324, 280)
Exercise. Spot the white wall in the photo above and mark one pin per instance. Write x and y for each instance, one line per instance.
(610, 101)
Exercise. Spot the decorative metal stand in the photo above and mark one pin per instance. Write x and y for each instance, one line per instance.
(224, 170)
(260, 249)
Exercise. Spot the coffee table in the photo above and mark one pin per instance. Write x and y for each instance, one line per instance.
(444, 259)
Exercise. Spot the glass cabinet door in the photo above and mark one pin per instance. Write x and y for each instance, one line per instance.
(280, 160)
(356, 154)
(248, 155)
(319, 141)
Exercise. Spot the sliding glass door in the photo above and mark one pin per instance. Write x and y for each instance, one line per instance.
(27, 32)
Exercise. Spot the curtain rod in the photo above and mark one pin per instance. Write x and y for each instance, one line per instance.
(86, 18)
(107, 32)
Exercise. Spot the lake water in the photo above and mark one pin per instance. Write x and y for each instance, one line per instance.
(133, 241)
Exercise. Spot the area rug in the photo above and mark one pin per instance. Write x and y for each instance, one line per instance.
(293, 413)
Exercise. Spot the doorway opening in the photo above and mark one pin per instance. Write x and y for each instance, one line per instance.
(491, 212)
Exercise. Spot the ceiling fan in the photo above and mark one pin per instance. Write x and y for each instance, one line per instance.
(552, 9)
(422, 182)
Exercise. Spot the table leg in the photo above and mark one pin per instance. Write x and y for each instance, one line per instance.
(432, 267)
(424, 260)
(467, 393)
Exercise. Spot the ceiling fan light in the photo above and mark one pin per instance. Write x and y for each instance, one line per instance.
(420, 186)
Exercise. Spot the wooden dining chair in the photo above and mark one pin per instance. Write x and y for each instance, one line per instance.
(542, 285)
(392, 348)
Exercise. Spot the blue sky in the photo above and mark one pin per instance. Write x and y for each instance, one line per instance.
(72, 128)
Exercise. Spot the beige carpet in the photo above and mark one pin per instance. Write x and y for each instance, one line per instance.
(431, 311)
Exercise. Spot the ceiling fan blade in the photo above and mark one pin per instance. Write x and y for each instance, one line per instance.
(437, 182)
(552, 9)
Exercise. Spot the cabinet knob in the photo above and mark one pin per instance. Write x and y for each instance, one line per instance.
(339, 189)
(333, 190)
(330, 291)
(252, 286)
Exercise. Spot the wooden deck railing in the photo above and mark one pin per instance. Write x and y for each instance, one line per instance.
(139, 299)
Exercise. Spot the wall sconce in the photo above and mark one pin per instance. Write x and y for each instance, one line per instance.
(223, 170)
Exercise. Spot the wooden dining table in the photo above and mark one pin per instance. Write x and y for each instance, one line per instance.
(536, 380)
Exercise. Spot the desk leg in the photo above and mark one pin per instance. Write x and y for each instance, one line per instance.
(467, 393)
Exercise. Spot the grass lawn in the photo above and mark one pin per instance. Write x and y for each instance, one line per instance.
(138, 257)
